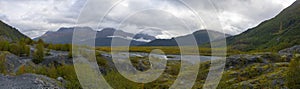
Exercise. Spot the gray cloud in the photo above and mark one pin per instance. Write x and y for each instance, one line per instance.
(35, 17)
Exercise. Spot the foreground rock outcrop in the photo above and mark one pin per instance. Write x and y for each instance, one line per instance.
(28, 81)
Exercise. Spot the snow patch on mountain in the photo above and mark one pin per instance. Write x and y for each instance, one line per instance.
(156, 32)
(130, 38)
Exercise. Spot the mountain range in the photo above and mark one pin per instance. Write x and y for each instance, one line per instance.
(103, 37)
(277, 33)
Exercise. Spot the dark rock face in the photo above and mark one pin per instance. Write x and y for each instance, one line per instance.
(28, 81)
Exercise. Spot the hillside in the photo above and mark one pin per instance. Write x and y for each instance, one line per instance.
(10, 33)
(277, 33)
(200, 36)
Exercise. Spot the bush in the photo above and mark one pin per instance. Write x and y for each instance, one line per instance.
(65, 71)
(101, 61)
(60, 47)
(2, 64)
(19, 49)
(293, 74)
(117, 81)
(4, 46)
(38, 55)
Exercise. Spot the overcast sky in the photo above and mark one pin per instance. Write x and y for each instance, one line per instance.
(35, 17)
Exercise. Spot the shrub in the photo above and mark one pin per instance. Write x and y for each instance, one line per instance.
(60, 47)
(293, 74)
(38, 55)
(4, 45)
(2, 64)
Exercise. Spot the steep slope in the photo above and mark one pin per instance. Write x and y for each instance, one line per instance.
(10, 33)
(200, 36)
(277, 33)
(103, 37)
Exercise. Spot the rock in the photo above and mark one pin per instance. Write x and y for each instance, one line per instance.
(279, 82)
(60, 78)
(289, 52)
(57, 58)
(241, 60)
(247, 85)
(28, 81)
(11, 61)
(243, 85)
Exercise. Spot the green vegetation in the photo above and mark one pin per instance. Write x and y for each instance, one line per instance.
(170, 50)
(60, 47)
(272, 35)
(4, 45)
(293, 75)
(2, 63)
(39, 54)
(101, 61)
(20, 48)
(65, 71)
